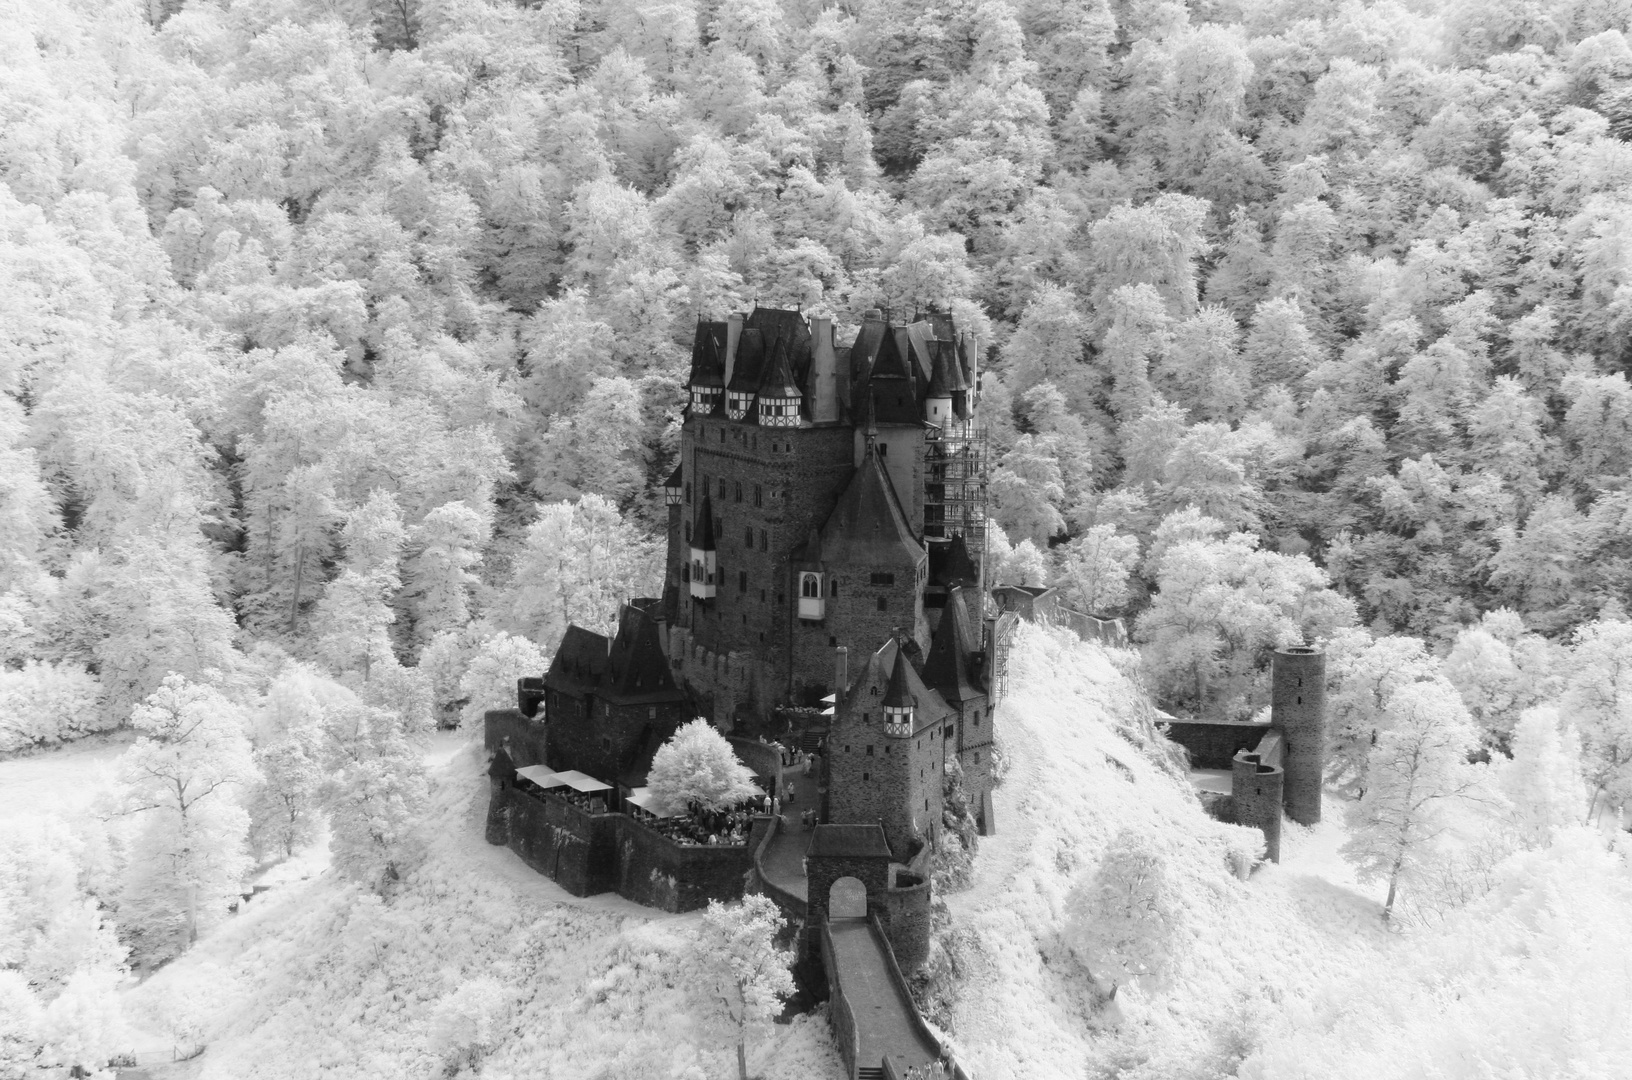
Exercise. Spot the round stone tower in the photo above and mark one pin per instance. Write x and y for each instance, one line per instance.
(1298, 708)
(1257, 791)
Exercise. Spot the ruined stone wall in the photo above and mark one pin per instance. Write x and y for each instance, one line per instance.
(1255, 799)
(519, 736)
(1212, 744)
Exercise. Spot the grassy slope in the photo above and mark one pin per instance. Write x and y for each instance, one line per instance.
(315, 979)
(1291, 974)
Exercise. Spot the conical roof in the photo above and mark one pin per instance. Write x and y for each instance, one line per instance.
(899, 693)
(949, 669)
(636, 666)
(702, 534)
(892, 361)
(868, 526)
(777, 381)
(750, 359)
(708, 354)
(677, 477)
(946, 378)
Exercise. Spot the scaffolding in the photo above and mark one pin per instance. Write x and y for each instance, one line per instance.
(955, 486)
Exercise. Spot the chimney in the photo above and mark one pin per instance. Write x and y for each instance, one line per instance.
(824, 372)
(841, 673)
(733, 333)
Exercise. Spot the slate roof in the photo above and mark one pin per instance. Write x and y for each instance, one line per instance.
(708, 354)
(702, 533)
(898, 694)
(946, 377)
(750, 359)
(949, 669)
(637, 669)
(868, 526)
(849, 841)
(777, 381)
(950, 564)
(580, 661)
(929, 708)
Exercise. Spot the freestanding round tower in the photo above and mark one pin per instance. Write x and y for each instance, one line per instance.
(1258, 790)
(1298, 708)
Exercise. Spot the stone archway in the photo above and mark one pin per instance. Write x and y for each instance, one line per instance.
(847, 899)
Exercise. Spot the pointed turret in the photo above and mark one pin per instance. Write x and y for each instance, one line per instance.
(946, 384)
(868, 527)
(779, 395)
(708, 367)
(739, 395)
(949, 668)
(898, 698)
(703, 555)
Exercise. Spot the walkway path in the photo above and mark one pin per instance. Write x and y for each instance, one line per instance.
(884, 1017)
(784, 861)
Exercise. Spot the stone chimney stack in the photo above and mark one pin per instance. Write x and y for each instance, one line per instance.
(824, 372)
(733, 334)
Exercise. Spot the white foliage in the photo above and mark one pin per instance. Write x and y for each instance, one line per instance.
(489, 682)
(46, 703)
(698, 767)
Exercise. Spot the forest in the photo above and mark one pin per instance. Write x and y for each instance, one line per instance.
(343, 345)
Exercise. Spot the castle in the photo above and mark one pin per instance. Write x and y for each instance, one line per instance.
(826, 534)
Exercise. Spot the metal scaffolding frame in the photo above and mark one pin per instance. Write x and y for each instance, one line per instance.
(955, 486)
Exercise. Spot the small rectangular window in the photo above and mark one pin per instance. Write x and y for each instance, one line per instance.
(651, 712)
(759, 495)
(883, 603)
(748, 537)
(688, 491)
(883, 579)
(737, 487)
(722, 480)
(742, 581)
(764, 540)
(869, 749)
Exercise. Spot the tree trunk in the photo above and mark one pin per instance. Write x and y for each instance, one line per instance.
(1393, 885)
(294, 604)
(742, 1057)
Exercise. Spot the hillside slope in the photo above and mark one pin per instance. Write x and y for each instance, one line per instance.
(316, 979)
(1289, 974)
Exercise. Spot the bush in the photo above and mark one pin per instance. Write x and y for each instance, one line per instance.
(44, 704)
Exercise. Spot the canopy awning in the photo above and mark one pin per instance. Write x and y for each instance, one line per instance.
(578, 781)
(643, 798)
(830, 699)
(541, 776)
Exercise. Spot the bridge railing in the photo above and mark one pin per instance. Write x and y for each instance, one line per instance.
(899, 982)
(840, 1015)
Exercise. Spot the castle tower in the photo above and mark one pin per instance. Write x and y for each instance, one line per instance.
(1257, 791)
(679, 553)
(884, 753)
(1298, 709)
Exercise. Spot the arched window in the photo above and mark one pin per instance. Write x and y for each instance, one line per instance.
(810, 585)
